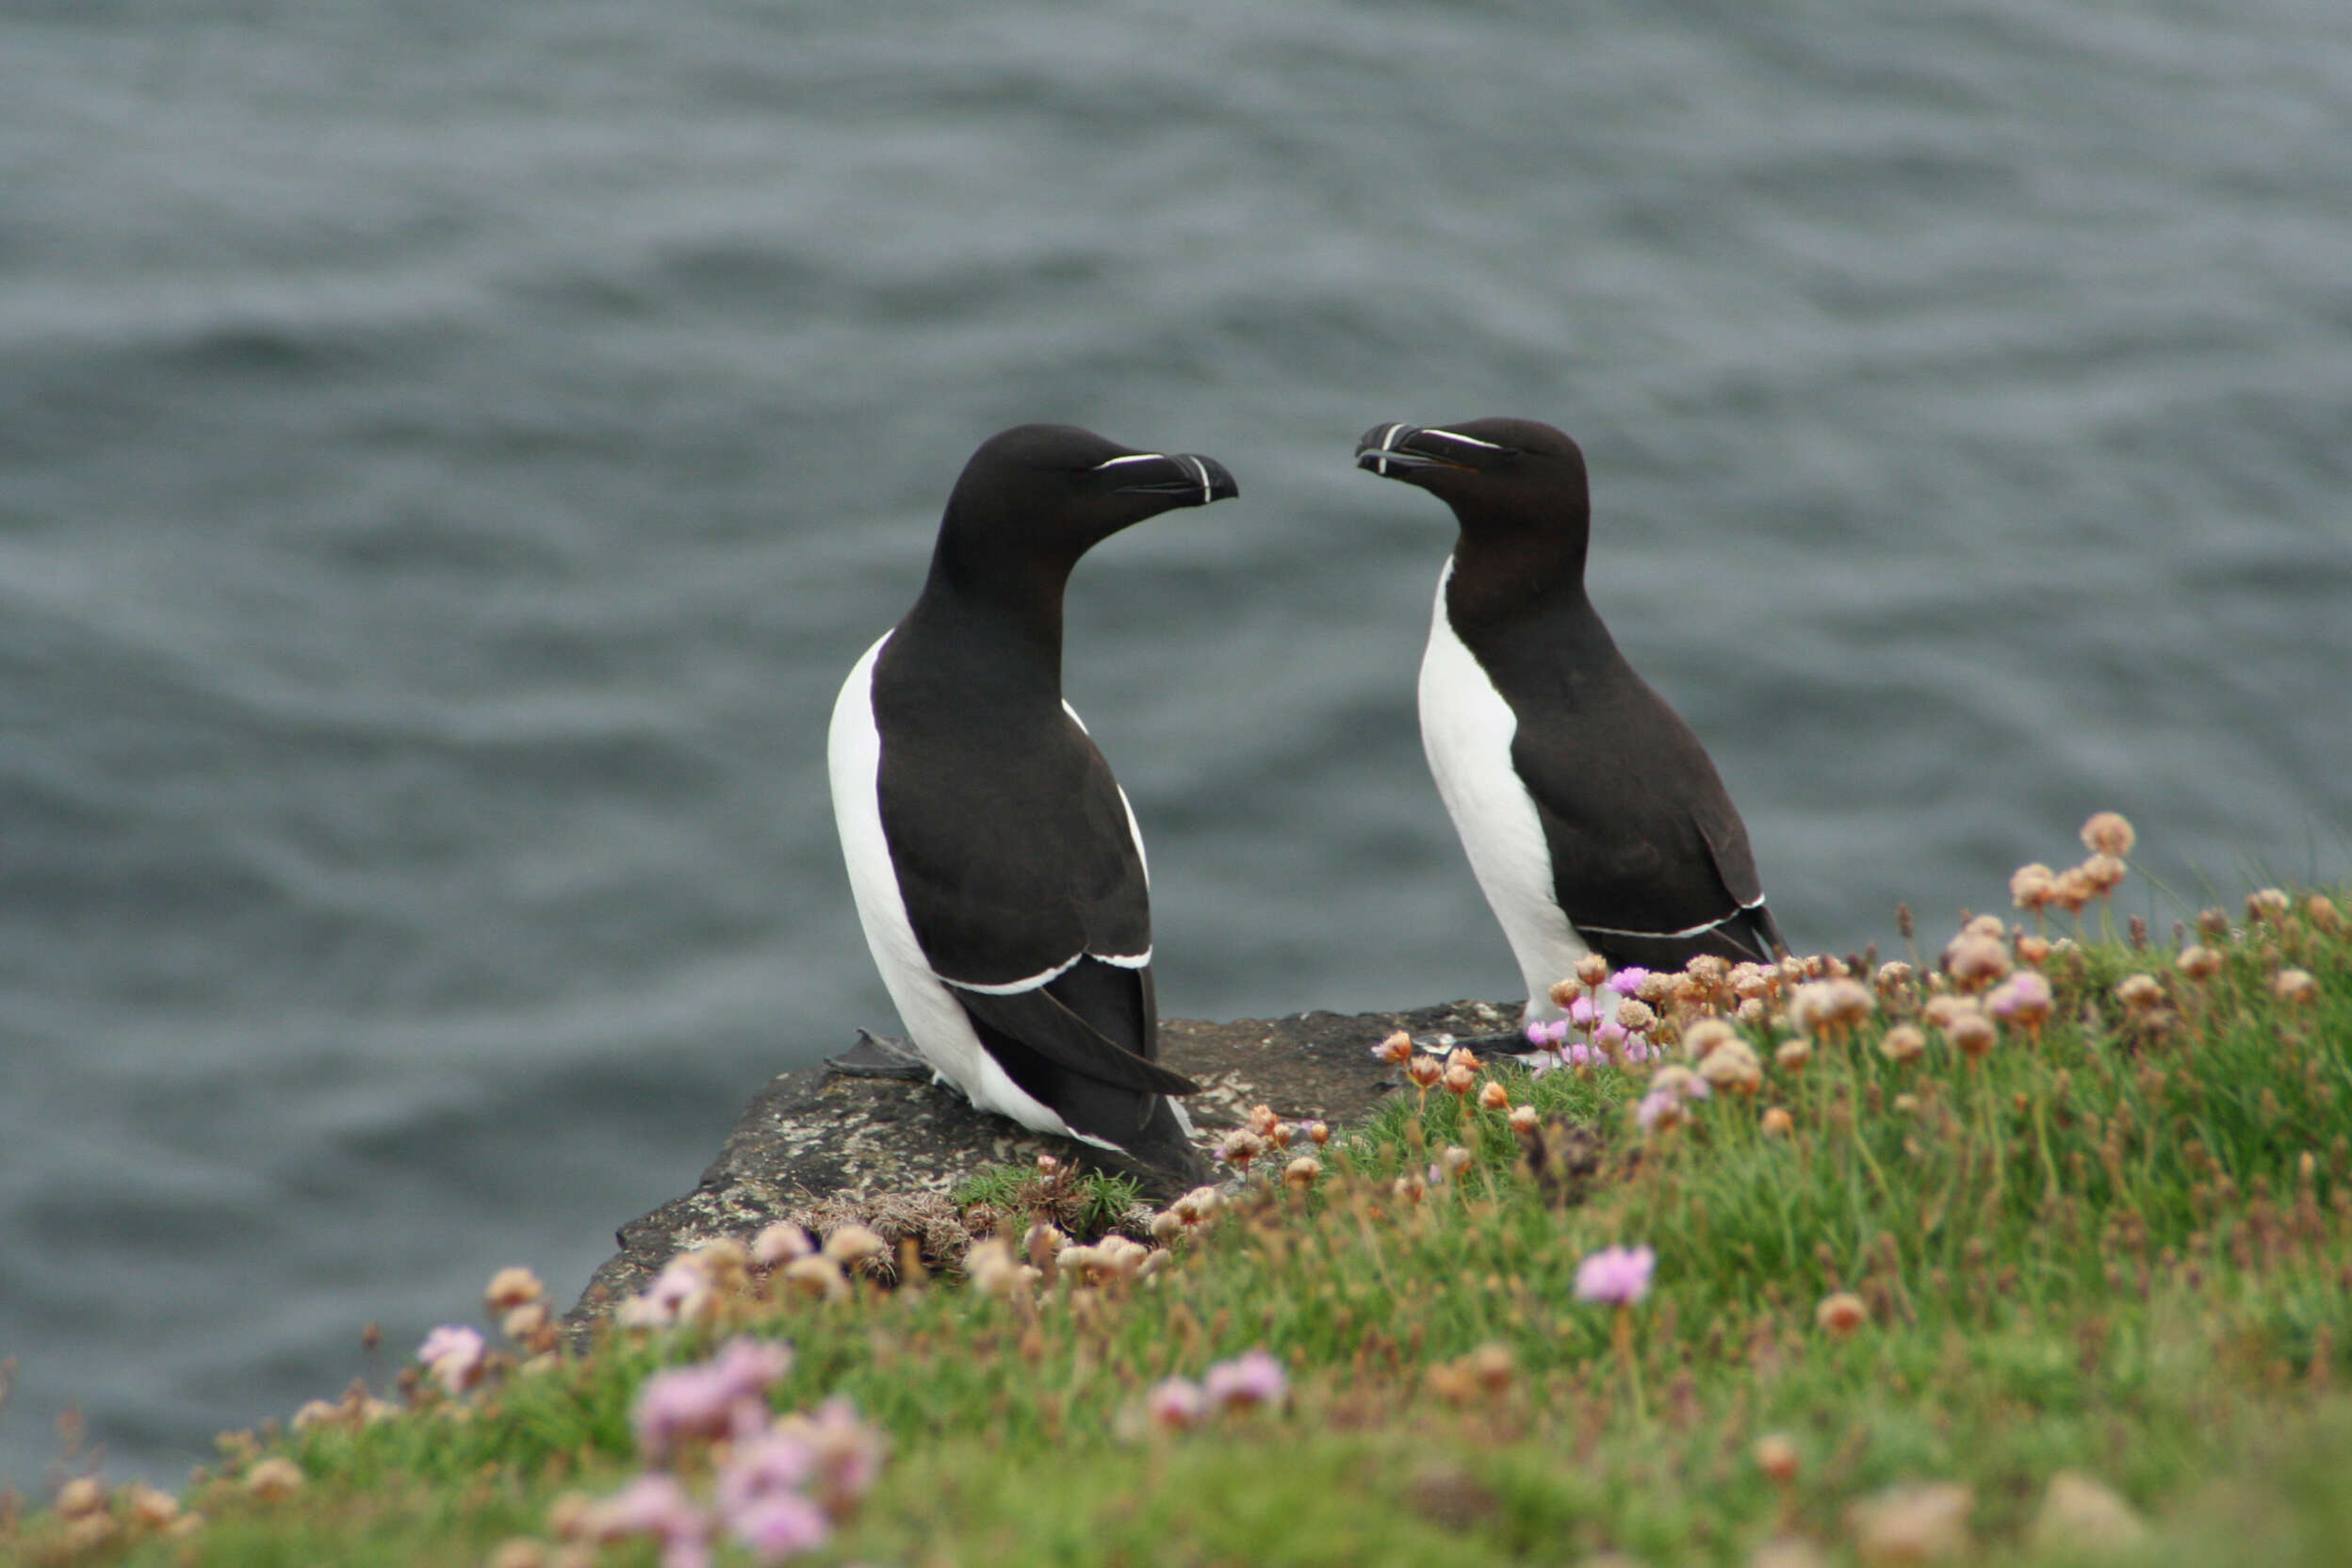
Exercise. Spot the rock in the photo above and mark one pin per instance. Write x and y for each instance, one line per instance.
(818, 1145)
(2081, 1516)
(1914, 1522)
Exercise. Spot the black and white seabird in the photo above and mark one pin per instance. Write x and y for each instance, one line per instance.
(1591, 814)
(996, 865)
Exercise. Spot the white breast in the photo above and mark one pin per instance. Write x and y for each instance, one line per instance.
(933, 1020)
(1466, 730)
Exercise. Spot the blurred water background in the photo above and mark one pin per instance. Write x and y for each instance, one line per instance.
(450, 453)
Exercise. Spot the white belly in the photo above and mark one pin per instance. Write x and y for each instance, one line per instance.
(937, 1023)
(1466, 730)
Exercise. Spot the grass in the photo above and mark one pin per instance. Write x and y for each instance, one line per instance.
(2119, 1246)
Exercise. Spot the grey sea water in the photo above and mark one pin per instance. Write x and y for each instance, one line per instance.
(450, 453)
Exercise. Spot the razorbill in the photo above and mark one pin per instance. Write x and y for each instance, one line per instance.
(1591, 814)
(996, 865)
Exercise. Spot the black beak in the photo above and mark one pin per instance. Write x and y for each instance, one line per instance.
(1186, 478)
(1392, 451)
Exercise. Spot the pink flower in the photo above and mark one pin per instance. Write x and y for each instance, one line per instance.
(1549, 1037)
(848, 1452)
(725, 1396)
(1254, 1377)
(1175, 1403)
(1580, 1010)
(2023, 998)
(681, 1290)
(761, 1467)
(1627, 981)
(780, 1526)
(656, 1506)
(453, 1354)
(1619, 1275)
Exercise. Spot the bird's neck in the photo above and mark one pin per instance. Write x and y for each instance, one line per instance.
(999, 631)
(1502, 576)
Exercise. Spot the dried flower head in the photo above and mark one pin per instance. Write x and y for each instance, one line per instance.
(1453, 1161)
(1460, 1079)
(1318, 1134)
(1425, 1071)
(1523, 1119)
(1753, 1012)
(1565, 993)
(2139, 992)
(1396, 1049)
(2267, 904)
(1733, 1066)
(2322, 912)
(2198, 962)
(994, 1270)
(1912, 1522)
(1971, 1034)
(780, 1243)
(2295, 987)
(1754, 982)
(852, 1245)
(1410, 1188)
(513, 1287)
(1494, 1097)
(1842, 1314)
(1591, 970)
(1904, 1042)
(1893, 978)
(2031, 949)
(1302, 1171)
(1706, 1036)
(1793, 1054)
(1975, 961)
(2073, 890)
(1831, 1006)
(81, 1496)
(273, 1479)
(2108, 833)
(1618, 1276)
(1778, 1123)
(2030, 885)
(1634, 1016)
(1776, 1456)
(2104, 873)
(1241, 1146)
(1941, 1010)
(816, 1276)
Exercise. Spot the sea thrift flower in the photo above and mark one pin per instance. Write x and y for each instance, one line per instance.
(2139, 992)
(1302, 1171)
(2198, 962)
(274, 1479)
(1591, 970)
(1318, 1134)
(854, 1244)
(1754, 982)
(2073, 890)
(1904, 1043)
(780, 1243)
(1705, 1036)
(1627, 981)
(2023, 999)
(1619, 1276)
(1425, 1071)
(1659, 1112)
(453, 1353)
(1970, 1034)
(849, 1452)
(1396, 1049)
(1912, 1522)
(2266, 904)
(1777, 1458)
(681, 1293)
(2295, 986)
(2104, 873)
(2030, 885)
(816, 1276)
(1242, 1146)
(1941, 1010)
(656, 1506)
(1831, 1006)
(1197, 1206)
(1456, 1159)
(993, 1270)
(1976, 962)
(1523, 1119)
(1893, 977)
(1176, 1403)
(513, 1287)
(1494, 1097)
(2108, 833)
(723, 1397)
(1733, 1066)
(1252, 1378)
(1461, 1080)
(2031, 949)
(761, 1465)
(1793, 1053)
(2322, 912)
(1842, 1314)
(1634, 1016)
(779, 1525)
(1263, 1121)
(1778, 1123)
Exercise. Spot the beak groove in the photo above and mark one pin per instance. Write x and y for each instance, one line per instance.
(1189, 479)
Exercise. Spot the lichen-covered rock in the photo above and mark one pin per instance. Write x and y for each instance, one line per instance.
(815, 1138)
